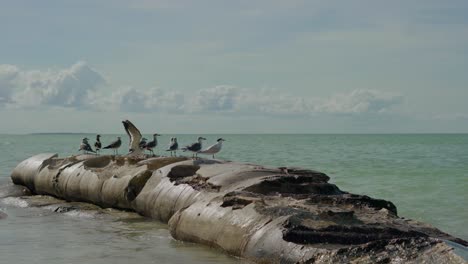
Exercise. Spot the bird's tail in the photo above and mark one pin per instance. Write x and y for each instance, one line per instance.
(184, 149)
(107, 147)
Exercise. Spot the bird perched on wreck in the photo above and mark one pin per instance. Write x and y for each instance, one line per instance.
(142, 144)
(85, 147)
(97, 144)
(136, 142)
(213, 149)
(115, 146)
(152, 144)
(173, 146)
(195, 147)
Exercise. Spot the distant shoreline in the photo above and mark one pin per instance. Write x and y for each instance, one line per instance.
(59, 133)
(370, 134)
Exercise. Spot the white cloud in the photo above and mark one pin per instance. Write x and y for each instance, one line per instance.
(218, 99)
(70, 87)
(8, 74)
(80, 87)
(359, 101)
(151, 100)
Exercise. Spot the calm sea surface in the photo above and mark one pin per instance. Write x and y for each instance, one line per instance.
(425, 176)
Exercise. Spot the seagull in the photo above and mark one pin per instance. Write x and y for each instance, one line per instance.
(173, 146)
(142, 144)
(85, 147)
(134, 138)
(114, 145)
(98, 144)
(152, 144)
(213, 149)
(195, 147)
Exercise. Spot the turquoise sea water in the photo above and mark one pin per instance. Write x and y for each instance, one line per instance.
(425, 176)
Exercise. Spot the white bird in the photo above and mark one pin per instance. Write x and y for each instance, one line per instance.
(173, 146)
(195, 147)
(213, 149)
(135, 139)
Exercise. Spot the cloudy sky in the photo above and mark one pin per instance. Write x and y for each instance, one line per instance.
(360, 66)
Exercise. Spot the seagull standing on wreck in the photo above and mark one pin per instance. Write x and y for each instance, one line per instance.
(97, 144)
(136, 142)
(173, 146)
(152, 144)
(213, 149)
(195, 147)
(85, 147)
(115, 146)
(142, 143)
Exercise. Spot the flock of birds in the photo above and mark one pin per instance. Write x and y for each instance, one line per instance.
(144, 145)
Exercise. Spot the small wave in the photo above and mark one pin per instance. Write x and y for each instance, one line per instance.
(71, 211)
(80, 214)
(15, 201)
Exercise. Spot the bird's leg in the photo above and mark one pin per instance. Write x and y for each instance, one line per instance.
(213, 156)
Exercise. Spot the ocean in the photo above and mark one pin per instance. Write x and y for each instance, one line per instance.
(424, 175)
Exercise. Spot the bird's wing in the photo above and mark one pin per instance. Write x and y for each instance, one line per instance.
(112, 145)
(133, 133)
(194, 147)
(88, 148)
(151, 144)
(173, 146)
(210, 150)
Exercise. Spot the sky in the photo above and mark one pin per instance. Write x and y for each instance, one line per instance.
(355, 66)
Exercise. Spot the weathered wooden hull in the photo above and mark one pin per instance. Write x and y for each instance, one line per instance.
(268, 215)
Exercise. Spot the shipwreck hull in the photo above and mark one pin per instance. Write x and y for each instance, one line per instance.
(270, 215)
